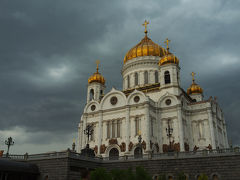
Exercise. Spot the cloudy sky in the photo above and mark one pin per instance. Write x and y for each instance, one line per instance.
(48, 50)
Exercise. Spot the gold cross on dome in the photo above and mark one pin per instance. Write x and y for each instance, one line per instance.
(97, 62)
(193, 74)
(167, 42)
(145, 25)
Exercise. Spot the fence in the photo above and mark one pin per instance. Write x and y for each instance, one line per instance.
(169, 155)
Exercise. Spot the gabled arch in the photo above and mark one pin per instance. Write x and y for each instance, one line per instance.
(166, 96)
(142, 96)
(121, 101)
(88, 105)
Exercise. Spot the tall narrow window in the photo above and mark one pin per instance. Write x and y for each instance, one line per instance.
(113, 129)
(137, 125)
(91, 95)
(92, 135)
(136, 79)
(167, 77)
(145, 77)
(128, 81)
(156, 77)
(108, 130)
(118, 128)
(152, 127)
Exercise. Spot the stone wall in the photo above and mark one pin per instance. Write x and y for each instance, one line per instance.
(226, 167)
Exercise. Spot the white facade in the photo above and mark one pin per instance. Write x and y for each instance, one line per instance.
(147, 104)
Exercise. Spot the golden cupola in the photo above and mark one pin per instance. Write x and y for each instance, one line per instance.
(168, 58)
(194, 88)
(145, 48)
(96, 77)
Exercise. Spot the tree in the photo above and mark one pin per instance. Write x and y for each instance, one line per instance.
(100, 174)
(202, 177)
(182, 176)
(162, 177)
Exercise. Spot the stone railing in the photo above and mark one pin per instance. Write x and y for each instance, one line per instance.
(170, 155)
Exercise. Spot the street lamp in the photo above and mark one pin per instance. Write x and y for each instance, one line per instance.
(9, 142)
(169, 132)
(88, 131)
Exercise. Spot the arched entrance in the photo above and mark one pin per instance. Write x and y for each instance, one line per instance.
(138, 153)
(113, 154)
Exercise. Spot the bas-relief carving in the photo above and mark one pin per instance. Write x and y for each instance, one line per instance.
(130, 146)
(112, 141)
(123, 147)
(102, 148)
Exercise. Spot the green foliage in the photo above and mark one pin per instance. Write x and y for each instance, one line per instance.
(203, 177)
(100, 174)
(162, 177)
(182, 176)
(117, 174)
(141, 174)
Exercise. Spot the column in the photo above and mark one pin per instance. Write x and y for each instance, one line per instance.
(210, 120)
(80, 131)
(127, 127)
(159, 131)
(84, 142)
(147, 130)
(180, 125)
(100, 131)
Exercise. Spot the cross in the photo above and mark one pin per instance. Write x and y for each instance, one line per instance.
(167, 42)
(97, 62)
(145, 25)
(193, 74)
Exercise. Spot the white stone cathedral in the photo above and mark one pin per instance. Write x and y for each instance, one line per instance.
(151, 104)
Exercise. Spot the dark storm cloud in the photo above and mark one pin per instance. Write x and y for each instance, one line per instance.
(48, 50)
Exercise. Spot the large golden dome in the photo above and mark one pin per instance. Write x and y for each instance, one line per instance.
(194, 88)
(96, 77)
(145, 48)
(169, 58)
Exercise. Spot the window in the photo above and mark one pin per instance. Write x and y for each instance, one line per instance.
(151, 127)
(156, 77)
(108, 129)
(92, 135)
(137, 125)
(136, 79)
(91, 94)
(118, 128)
(167, 77)
(145, 77)
(113, 129)
(128, 81)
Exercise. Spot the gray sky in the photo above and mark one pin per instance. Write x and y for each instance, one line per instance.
(48, 50)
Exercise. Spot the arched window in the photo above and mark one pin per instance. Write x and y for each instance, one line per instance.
(113, 154)
(145, 77)
(167, 77)
(136, 78)
(91, 94)
(128, 81)
(156, 77)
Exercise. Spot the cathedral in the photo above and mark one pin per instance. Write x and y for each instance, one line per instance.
(152, 109)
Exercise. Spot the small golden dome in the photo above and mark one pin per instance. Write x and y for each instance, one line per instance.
(145, 48)
(194, 88)
(169, 58)
(96, 77)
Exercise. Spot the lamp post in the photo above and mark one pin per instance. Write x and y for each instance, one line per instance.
(169, 132)
(88, 131)
(9, 142)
